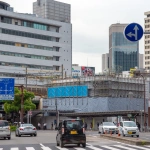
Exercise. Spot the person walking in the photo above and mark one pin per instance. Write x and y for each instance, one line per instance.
(39, 126)
(97, 125)
(85, 125)
(52, 126)
(91, 126)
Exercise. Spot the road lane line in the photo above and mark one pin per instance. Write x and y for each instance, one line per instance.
(1, 148)
(61, 148)
(15, 148)
(95, 148)
(79, 148)
(111, 148)
(124, 147)
(30, 148)
(44, 147)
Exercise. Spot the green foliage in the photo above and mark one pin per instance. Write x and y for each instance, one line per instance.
(13, 128)
(15, 106)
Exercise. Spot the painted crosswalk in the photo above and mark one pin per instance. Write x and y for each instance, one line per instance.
(88, 147)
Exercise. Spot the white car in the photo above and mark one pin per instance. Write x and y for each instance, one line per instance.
(108, 127)
(128, 128)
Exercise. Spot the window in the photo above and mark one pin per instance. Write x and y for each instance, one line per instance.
(16, 23)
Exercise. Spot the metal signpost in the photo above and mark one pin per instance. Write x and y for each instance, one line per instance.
(7, 88)
(134, 32)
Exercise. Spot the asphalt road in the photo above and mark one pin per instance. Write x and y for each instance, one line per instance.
(45, 140)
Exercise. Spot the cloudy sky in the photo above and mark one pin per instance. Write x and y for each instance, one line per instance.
(91, 20)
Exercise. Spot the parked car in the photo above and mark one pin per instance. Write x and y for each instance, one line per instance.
(108, 127)
(71, 131)
(5, 130)
(128, 128)
(26, 129)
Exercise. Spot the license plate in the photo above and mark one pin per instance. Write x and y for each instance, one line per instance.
(73, 132)
(130, 132)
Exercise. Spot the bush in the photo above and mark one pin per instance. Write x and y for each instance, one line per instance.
(13, 128)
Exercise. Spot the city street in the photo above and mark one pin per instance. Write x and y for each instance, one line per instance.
(45, 140)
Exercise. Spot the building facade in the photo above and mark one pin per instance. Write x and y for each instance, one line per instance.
(147, 41)
(52, 10)
(105, 62)
(141, 61)
(123, 54)
(39, 44)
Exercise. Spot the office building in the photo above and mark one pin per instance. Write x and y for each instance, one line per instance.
(141, 61)
(52, 10)
(41, 45)
(123, 54)
(147, 41)
(105, 62)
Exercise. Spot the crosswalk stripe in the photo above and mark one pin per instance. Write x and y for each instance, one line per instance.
(1, 148)
(61, 148)
(46, 148)
(111, 148)
(30, 148)
(95, 148)
(139, 147)
(79, 148)
(124, 147)
(15, 148)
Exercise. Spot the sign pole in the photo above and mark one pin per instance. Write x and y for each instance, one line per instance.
(22, 110)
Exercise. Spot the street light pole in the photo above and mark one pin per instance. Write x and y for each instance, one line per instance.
(56, 112)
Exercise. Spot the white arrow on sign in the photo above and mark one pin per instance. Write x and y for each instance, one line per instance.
(136, 32)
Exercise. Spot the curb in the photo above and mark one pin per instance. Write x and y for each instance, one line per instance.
(125, 140)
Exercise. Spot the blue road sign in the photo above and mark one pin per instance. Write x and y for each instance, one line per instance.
(133, 32)
(7, 88)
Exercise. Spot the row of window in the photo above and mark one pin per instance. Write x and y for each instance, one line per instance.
(29, 24)
(147, 68)
(29, 35)
(147, 57)
(28, 66)
(147, 36)
(30, 46)
(147, 47)
(147, 52)
(147, 63)
(26, 55)
(147, 26)
(147, 42)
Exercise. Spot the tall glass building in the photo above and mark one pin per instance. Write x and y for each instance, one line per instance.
(123, 53)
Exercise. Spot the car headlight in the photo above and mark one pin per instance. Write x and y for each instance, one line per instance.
(125, 128)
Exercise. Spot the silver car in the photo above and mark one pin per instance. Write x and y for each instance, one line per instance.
(26, 129)
(5, 130)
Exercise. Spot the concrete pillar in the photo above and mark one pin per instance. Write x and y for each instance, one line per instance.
(93, 123)
(148, 116)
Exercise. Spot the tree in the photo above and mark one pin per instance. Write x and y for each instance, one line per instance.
(15, 106)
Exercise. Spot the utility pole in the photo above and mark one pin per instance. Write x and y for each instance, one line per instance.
(56, 112)
(62, 71)
(26, 78)
(22, 110)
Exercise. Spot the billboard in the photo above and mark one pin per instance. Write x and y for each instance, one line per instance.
(88, 71)
(76, 71)
(67, 91)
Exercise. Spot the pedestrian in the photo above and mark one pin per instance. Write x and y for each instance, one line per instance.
(52, 126)
(139, 126)
(39, 126)
(44, 126)
(97, 125)
(91, 126)
(85, 125)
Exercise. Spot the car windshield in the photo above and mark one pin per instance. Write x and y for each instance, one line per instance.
(73, 124)
(130, 124)
(3, 123)
(26, 125)
(108, 124)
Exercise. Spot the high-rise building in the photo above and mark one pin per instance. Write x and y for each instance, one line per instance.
(52, 10)
(141, 61)
(147, 41)
(105, 62)
(123, 54)
(39, 44)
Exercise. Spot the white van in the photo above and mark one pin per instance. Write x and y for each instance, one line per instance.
(5, 130)
(128, 128)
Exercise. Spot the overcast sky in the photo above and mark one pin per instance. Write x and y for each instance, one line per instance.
(91, 20)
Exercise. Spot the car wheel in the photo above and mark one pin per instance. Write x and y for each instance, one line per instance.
(9, 138)
(61, 144)
(84, 144)
(57, 144)
(78, 145)
(35, 134)
(132, 135)
(19, 134)
(137, 136)
(16, 134)
(4, 138)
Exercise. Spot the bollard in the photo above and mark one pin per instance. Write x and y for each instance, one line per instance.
(118, 133)
(110, 132)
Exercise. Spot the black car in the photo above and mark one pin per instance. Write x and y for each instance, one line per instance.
(71, 131)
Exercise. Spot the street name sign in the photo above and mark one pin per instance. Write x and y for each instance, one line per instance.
(133, 32)
(7, 88)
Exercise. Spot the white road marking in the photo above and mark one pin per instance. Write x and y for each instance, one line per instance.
(79, 148)
(95, 148)
(1, 148)
(30, 148)
(111, 148)
(15, 148)
(139, 147)
(44, 148)
(124, 147)
(61, 148)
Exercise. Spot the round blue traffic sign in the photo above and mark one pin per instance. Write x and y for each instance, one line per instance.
(133, 32)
